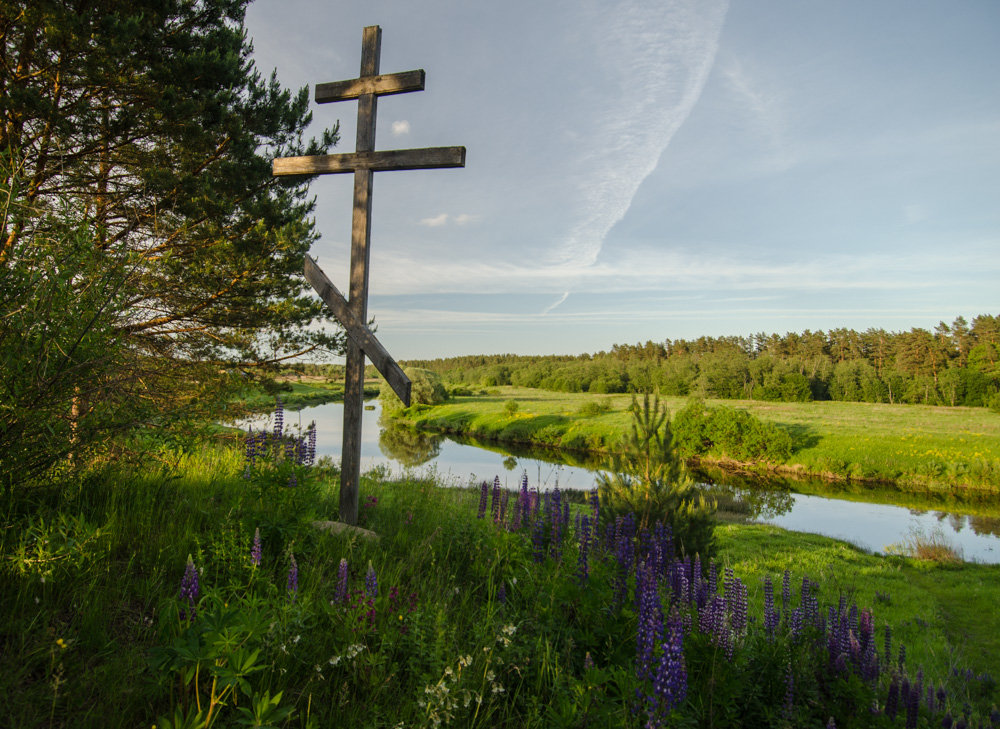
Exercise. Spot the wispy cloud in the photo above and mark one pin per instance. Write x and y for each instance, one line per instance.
(659, 56)
(559, 301)
(665, 270)
(401, 127)
(436, 222)
(443, 219)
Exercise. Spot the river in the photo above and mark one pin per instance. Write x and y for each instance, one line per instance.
(872, 526)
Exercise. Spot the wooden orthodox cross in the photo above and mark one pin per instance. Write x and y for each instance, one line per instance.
(352, 312)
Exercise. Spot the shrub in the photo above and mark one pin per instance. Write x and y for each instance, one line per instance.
(593, 408)
(729, 432)
(510, 407)
(426, 389)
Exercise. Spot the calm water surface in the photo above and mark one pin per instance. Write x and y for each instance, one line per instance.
(871, 526)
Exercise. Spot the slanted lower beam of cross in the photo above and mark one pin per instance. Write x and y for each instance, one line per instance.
(352, 312)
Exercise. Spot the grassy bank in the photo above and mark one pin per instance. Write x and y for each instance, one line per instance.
(915, 447)
(300, 395)
(96, 632)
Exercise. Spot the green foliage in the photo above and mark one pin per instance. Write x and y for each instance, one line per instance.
(648, 479)
(955, 365)
(510, 408)
(729, 433)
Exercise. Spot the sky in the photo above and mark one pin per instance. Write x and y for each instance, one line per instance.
(661, 169)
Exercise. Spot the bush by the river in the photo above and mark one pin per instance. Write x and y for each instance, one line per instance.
(729, 433)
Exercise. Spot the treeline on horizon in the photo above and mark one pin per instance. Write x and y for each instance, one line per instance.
(956, 364)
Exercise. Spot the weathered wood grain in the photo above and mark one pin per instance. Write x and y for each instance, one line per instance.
(358, 331)
(426, 158)
(383, 85)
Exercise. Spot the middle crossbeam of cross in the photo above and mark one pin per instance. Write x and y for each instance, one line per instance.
(352, 312)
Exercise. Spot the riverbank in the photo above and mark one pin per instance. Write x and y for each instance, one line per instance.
(93, 634)
(915, 448)
(301, 393)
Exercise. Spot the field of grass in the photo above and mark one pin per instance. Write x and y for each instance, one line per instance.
(915, 447)
(96, 631)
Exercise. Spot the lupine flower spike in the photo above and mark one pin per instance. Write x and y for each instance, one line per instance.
(189, 588)
(293, 577)
(341, 594)
(255, 550)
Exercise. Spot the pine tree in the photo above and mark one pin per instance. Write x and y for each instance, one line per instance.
(143, 129)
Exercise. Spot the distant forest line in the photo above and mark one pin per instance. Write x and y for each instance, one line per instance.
(956, 364)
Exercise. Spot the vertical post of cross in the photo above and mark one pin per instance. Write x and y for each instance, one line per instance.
(354, 376)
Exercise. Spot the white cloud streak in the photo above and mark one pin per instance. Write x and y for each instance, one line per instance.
(401, 127)
(660, 55)
(560, 300)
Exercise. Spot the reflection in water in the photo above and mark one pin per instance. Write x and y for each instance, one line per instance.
(750, 504)
(985, 525)
(408, 446)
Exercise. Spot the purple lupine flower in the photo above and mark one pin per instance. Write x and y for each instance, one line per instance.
(189, 588)
(947, 722)
(538, 538)
(340, 596)
(737, 604)
(887, 651)
(588, 662)
(892, 700)
(911, 701)
(795, 623)
(279, 418)
(495, 501)
(831, 724)
(649, 632)
(293, 576)
(293, 481)
(311, 444)
(249, 453)
(771, 618)
(502, 593)
(483, 497)
(902, 656)
(255, 549)
(555, 518)
(582, 564)
(670, 681)
(371, 582)
(869, 663)
(931, 707)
